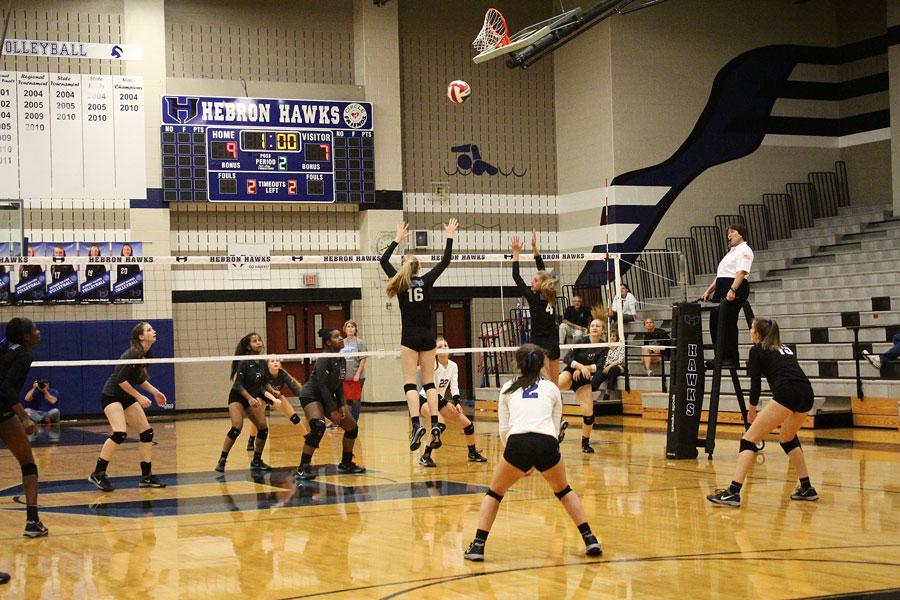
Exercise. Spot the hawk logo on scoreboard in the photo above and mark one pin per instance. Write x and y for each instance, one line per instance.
(182, 110)
(355, 115)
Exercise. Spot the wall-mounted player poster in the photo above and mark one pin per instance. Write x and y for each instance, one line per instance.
(129, 278)
(31, 282)
(95, 280)
(62, 284)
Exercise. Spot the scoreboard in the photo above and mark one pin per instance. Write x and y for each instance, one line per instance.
(267, 150)
(71, 136)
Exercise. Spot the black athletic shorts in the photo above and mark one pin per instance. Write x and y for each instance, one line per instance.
(420, 340)
(581, 381)
(441, 401)
(304, 402)
(526, 450)
(125, 402)
(236, 398)
(549, 346)
(796, 398)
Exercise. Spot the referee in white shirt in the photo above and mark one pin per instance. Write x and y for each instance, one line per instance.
(732, 286)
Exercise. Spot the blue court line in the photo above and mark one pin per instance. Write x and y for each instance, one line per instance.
(280, 477)
(304, 494)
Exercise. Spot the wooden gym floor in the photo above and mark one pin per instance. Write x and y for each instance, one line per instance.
(399, 531)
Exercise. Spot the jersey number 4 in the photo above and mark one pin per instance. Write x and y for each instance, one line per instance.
(416, 294)
(530, 391)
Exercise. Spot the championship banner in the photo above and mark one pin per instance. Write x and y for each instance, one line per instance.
(95, 286)
(129, 285)
(688, 380)
(62, 284)
(31, 284)
(58, 49)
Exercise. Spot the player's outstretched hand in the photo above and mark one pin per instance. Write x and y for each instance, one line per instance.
(402, 232)
(515, 244)
(534, 244)
(451, 227)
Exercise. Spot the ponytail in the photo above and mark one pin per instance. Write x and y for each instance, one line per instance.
(530, 361)
(402, 279)
(138, 348)
(548, 287)
(769, 333)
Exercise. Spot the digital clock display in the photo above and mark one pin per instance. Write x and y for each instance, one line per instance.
(257, 140)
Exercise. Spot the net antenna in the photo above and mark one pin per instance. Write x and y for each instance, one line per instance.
(494, 40)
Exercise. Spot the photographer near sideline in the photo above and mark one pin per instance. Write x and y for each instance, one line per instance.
(42, 402)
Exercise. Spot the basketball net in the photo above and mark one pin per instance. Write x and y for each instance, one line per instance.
(493, 34)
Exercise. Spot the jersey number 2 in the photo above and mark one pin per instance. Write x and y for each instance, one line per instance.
(530, 392)
(416, 294)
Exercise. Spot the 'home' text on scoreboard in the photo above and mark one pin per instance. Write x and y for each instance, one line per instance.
(267, 150)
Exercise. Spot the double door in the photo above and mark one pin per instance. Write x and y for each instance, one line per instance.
(293, 329)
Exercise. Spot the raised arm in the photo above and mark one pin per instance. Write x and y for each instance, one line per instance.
(450, 231)
(386, 266)
(515, 244)
(538, 260)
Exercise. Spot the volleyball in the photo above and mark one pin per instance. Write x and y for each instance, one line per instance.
(458, 91)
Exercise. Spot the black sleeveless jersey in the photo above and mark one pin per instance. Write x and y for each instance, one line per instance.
(415, 303)
(543, 316)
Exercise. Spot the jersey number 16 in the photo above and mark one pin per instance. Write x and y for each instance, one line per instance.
(416, 294)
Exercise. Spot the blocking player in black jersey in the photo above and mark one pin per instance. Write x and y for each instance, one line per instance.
(580, 366)
(246, 399)
(447, 382)
(417, 340)
(792, 397)
(324, 391)
(541, 297)
(15, 361)
(276, 379)
(124, 405)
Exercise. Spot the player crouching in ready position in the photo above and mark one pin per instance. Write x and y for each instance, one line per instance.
(446, 378)
(792, 397)
(529, 413)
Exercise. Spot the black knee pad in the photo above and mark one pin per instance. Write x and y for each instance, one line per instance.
(748, 445)
(351, 435)
(118, 437)
(233, 433)
(29, 469)
(561, 493)
(428, 386)
(147, 436)
(442, 427)
(589, 421)
(494, 495)
(262, 434)
(788, 446)
(316, 431)
(409, 387)
(470, 429)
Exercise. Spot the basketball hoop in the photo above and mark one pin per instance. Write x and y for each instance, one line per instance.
(493, 34)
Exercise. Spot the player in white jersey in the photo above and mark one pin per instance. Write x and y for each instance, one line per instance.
(529, 413)
(446, 378)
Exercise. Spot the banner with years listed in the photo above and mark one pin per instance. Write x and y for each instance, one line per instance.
(129, 280)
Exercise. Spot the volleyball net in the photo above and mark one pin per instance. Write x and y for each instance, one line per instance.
(203, 305)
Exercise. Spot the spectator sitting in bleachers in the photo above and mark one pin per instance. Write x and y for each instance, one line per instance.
(892, 354)
(626, 303)
(652, 353)
(575, 322)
